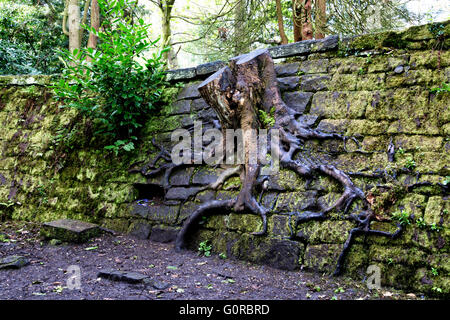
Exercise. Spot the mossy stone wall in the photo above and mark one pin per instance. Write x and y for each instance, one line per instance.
(374, 87)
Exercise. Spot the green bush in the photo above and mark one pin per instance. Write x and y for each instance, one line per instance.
(115, 90)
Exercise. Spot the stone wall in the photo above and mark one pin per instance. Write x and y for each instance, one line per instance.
(375, 88)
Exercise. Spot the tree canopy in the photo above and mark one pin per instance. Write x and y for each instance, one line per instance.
(32, 31)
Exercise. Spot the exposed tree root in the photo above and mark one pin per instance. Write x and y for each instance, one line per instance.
(237, 93)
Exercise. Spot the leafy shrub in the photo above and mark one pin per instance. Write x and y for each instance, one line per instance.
(114, 89)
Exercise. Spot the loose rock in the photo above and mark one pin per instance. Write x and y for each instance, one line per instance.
(13, 262)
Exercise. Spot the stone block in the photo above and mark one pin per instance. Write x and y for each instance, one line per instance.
(316, 232)
(288, 83)
(346, 65)
(199, 104)
(296, 201)
(163, 234)
(314, 66)
(340, 104)
(181, 193)
(322, 257)
(180, 74)
(69, 230)
(314, 83)
(244, 222)
(139, 230)
(190, 91)
(286, 70)
(276, 253)
(430, 59)
(157, 212)
(304, 47)
(209, 68)
(371, 82)
(180, 107)
(418, 142)
(181, 177)
(13, 262)
(398, 255)
(434, 209)
(344, 82)
(205, 176)
(298, 101)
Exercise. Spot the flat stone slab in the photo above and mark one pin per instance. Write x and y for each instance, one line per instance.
(125, 276)
(159, 285)
(13, 262)
(70, 230)
(132, 277)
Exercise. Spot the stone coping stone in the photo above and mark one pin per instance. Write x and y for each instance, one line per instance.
(283, 51)
(69, 230)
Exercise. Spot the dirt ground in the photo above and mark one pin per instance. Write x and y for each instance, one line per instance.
(187, 275)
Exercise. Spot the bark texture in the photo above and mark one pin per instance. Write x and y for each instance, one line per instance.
(284, 39)
(321, 19)
(74, 25)
(95, 24)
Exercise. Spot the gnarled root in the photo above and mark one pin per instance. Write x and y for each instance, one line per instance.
(238, 93)
(202, 210)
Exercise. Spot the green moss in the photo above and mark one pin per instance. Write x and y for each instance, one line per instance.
(244, 222)
(321, 257)
(169, 94)
(377, 41)
(340, 104)
(156, 125)
(324, 232)
(434, 210)
(119, 225)
(232, 183)
(343, 82)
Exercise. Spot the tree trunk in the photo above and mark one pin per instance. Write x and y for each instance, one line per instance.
(165, 7)
(321, 19)
(284, 39)
(240, 45)
(307, 30)
(74, 25)
(296, 19)
(95, 24)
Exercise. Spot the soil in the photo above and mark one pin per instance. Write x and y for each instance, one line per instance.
(189, 276)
